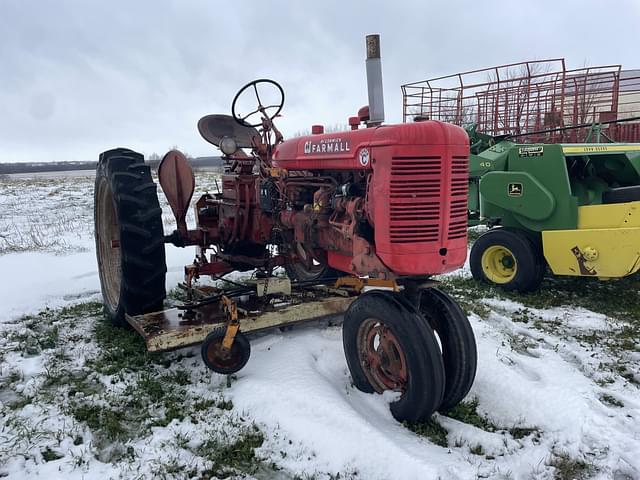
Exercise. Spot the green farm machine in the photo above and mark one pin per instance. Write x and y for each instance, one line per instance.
(546, 198)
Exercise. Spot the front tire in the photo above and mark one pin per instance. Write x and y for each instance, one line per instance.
(507, 258)
(459, 353)
(390, 347)
(129, 236)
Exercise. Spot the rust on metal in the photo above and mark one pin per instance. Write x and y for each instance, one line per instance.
(173, 328)
(233, 325)
(178, 183)
(357, 284)
(382, 357)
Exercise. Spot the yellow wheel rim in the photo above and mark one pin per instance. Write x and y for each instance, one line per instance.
(499, 264)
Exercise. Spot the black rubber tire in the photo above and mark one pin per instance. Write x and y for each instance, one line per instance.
(622, 194)
(124, 185)
(425, 385)
(536, 243)
(530, 267)
(297, 273)
(240, 352)
(459, 353)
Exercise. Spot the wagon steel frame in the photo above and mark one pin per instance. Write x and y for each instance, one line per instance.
(521, 98)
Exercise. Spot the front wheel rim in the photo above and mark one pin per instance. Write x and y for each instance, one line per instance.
(499, 264)
(381, 357)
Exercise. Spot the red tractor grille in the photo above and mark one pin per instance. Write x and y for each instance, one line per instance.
(459, 192)
(414, 199)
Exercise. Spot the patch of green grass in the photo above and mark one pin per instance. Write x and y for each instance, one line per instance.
(102, 420)
(121, 349)
(150, 387)
(525, 315)
(611, 400)
(174, 409)
(179, 377)
(619, 298)
(518, 433)
(567, 468)
(49, 455)
(19, 403)
(467, 412)
(430, 429)
(204, 404)
(477, 450)
(151, 394)
(14, 376)
(233, 458)
(469, 294)
(81, 310)
(224, 404)
(43, 329)
(520, 343)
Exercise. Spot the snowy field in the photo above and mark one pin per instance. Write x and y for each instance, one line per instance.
(556, 394)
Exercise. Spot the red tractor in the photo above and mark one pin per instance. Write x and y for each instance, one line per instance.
(359, 221)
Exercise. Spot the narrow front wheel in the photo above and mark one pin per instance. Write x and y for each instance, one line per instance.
(390, 347)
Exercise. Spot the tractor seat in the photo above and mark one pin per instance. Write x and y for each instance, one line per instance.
(622, 194)
(214, 127)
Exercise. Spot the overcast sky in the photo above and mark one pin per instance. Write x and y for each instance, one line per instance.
(79, 77)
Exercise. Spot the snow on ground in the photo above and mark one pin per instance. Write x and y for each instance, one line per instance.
(556, 393)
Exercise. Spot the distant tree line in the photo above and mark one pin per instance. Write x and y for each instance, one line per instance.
(33, 167)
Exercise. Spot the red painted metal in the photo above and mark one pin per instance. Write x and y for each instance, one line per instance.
(381, 201)
(177, 181)
(417, 197)
(526, 97)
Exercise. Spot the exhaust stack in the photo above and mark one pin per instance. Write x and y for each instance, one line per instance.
(374, 81)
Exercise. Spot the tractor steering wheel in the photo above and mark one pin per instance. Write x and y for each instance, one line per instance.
(261, 109)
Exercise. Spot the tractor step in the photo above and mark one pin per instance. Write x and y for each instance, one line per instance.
(174, 328)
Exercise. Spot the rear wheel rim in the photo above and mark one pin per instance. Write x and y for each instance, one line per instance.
(108, 236)
(381, 357)
(499, 264)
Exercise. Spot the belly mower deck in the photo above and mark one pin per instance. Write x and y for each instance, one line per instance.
(182, 327)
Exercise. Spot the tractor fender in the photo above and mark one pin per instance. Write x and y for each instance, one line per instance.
(518, 192)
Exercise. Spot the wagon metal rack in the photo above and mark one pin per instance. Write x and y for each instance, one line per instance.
(521, 98)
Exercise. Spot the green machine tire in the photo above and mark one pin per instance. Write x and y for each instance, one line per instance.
(509, 259)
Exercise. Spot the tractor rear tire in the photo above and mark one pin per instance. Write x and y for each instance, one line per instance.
(508, 259)
(457, 341)
(298, 272)
(129, 236)
(389, 346)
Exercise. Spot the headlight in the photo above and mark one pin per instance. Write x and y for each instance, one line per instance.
(228, 145)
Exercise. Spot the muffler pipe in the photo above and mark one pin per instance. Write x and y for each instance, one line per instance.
(374, 80)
